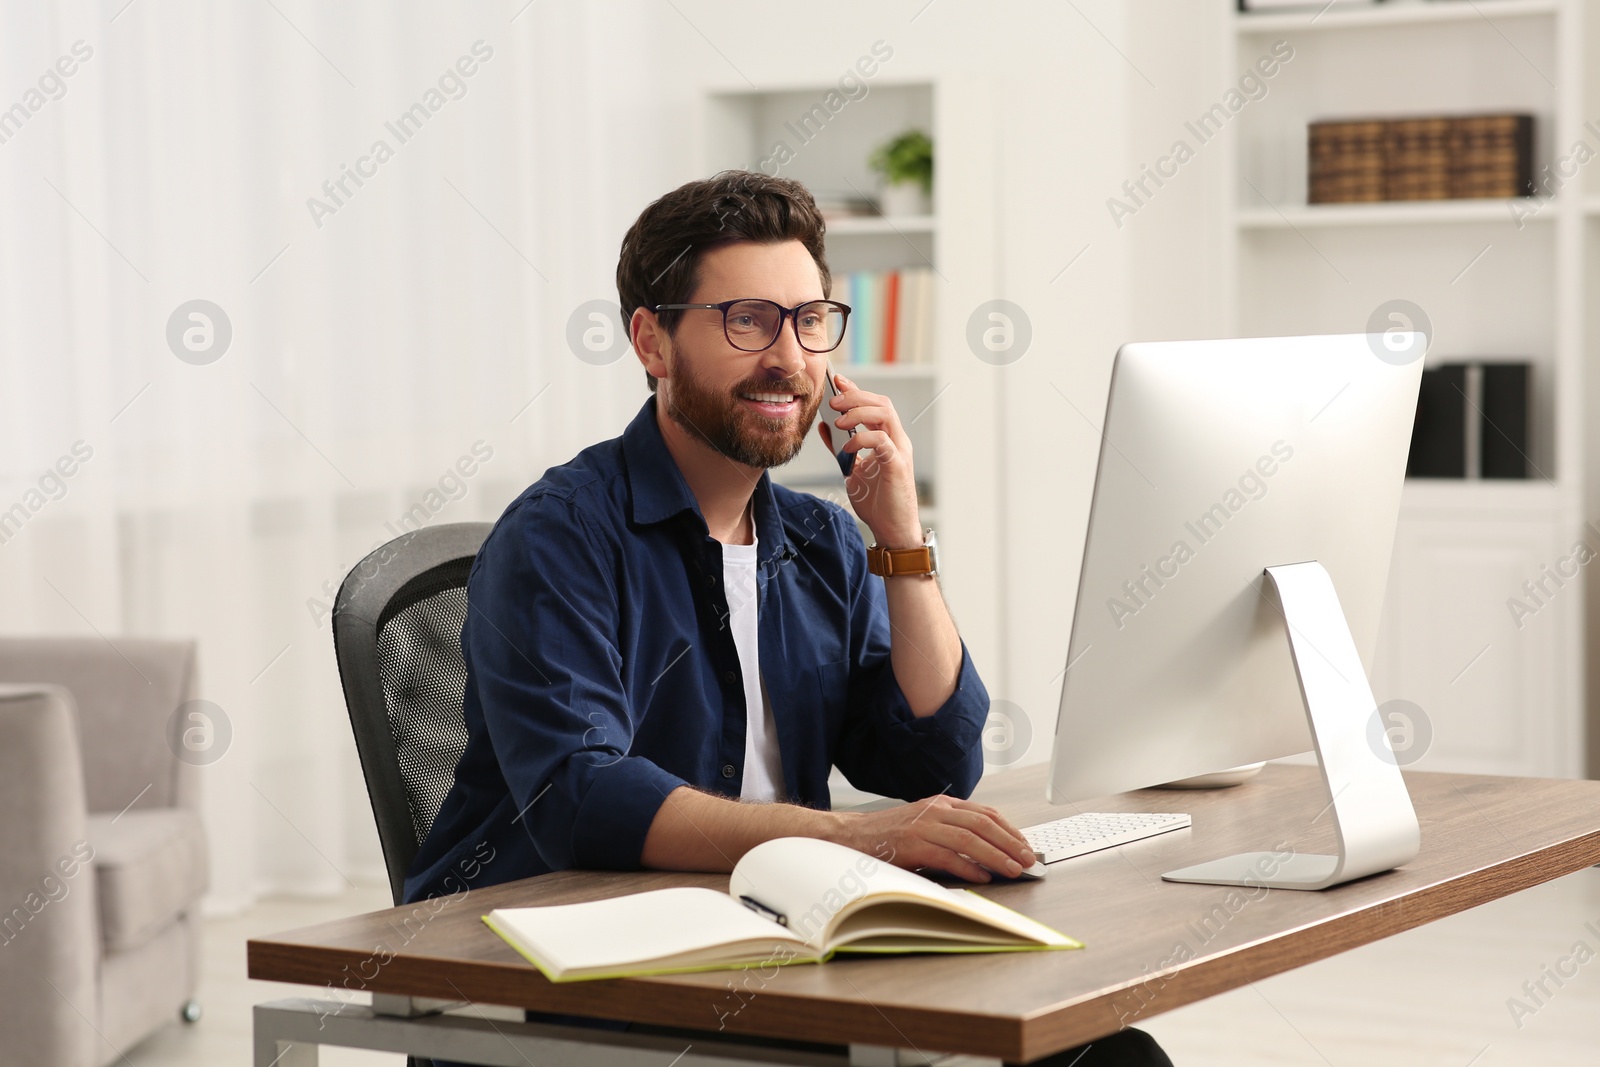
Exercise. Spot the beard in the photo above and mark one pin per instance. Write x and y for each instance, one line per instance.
(723, 422)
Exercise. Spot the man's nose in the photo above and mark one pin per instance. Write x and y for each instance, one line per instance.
(785, 359)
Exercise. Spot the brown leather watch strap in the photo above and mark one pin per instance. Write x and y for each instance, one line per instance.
(896, 562)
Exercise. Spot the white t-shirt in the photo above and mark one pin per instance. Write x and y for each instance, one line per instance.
(763, 771)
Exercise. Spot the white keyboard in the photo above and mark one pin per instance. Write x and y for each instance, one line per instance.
(1076, 835)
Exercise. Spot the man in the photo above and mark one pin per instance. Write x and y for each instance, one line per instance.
(666, 651)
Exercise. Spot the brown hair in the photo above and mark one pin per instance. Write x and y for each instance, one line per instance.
(660, 258)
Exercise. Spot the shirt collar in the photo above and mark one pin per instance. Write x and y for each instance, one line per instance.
(658, 491)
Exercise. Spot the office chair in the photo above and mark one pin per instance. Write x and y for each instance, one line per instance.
(397, 636)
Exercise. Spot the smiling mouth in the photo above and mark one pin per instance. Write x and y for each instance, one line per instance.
(771, 404)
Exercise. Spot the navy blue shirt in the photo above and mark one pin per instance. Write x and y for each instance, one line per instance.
(602, 672)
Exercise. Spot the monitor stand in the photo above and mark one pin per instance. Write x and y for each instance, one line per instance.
(1373, 819)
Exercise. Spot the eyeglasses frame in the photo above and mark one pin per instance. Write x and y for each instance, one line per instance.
(790, 315)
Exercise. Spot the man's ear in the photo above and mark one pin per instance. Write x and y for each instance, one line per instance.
(650, 341)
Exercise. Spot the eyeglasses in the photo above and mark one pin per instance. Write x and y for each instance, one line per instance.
(753, 325)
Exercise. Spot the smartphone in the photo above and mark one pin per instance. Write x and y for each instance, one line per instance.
(837, 439)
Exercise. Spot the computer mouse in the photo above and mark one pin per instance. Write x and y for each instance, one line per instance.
(1029, 874)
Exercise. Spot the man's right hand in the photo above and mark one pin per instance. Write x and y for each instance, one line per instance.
(954, 835)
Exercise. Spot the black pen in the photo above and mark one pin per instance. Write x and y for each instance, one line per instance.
(761, 909)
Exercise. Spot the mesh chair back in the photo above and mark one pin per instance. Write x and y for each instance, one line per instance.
(397, 635)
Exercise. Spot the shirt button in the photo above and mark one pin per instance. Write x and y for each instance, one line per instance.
(730, 676)
(727, 770)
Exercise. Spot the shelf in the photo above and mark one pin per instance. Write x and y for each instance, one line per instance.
(873, 225)
(1525, 498)
(1398, 213)
(880, 371)
(1352, 16)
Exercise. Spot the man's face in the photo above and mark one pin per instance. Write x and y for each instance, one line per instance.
(712, 384)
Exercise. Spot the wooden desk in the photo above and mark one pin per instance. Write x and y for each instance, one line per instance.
(1151, 945)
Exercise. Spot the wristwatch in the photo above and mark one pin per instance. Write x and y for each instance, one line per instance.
(900, 562)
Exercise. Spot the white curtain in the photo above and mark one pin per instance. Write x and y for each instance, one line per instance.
(376, 339)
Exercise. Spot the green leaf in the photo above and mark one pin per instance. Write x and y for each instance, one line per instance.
(906, 157)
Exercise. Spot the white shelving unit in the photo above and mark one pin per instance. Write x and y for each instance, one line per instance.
(882, 226)
(1502, 694)
(1343, 15)
(1417, 213)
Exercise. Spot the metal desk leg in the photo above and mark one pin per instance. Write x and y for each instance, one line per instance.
(288, 1033)
(274, 1050)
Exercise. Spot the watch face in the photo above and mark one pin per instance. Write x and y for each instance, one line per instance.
(931, 540)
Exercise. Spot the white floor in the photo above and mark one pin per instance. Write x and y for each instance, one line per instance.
(222, 1036)
(1435, 995)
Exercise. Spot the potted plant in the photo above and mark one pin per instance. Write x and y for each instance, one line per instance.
(905, 162)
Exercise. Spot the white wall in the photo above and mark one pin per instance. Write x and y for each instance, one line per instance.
(368, 353)
(1097, 101)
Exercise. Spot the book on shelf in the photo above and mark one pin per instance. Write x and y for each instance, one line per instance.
(1492, 155)
(861, 301)
(890, 316)
(789, 900)
(1346, 162)
(1471, 421)
(1442, 157)
(1416, 159)
(844, 206)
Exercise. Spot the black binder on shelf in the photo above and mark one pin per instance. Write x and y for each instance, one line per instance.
(1439, 433)
(1503, 447)
(1471, 422)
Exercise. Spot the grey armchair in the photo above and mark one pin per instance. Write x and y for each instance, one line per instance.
(102, 855)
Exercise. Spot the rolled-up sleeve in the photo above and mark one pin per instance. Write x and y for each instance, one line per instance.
(541, 648)
(884, 748)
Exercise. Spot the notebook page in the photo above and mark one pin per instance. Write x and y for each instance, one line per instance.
(810, 881)
(626, 932)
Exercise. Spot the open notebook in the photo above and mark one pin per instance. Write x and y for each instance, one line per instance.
(789, 900)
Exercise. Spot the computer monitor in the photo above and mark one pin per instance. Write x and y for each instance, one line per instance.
(1219, 460)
